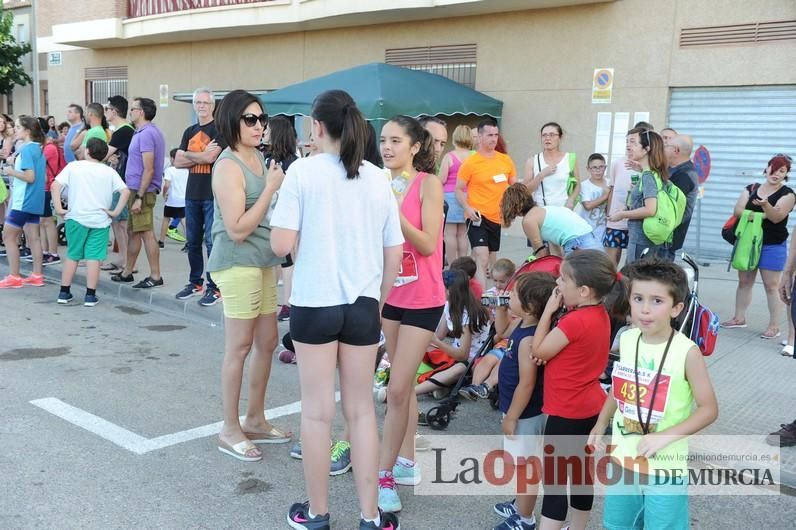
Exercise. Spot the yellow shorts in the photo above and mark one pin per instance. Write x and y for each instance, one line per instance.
(247, 292)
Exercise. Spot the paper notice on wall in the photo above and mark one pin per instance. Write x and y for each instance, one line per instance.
(164, 95)
(621, 126)
(602, 137)
(641, 116)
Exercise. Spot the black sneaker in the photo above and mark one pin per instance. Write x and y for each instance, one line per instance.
(298, 517)
(51, 259)
(161, 244)
(3, 252)
(481, 391)
(210, 298)
(189, 291)
(389, 521)
(785, 437)
(120, 277)
(148, 283)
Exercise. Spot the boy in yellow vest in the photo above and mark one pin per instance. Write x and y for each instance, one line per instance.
(659, 377)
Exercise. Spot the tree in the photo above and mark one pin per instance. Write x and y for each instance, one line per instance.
(12, 73)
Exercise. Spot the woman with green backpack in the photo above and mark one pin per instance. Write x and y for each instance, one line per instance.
(645, 147)
(774, 200)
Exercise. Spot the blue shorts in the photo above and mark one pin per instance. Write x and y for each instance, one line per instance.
(18, 219)
(497, 352)
(584, 242)
(652, 506)
(772, 257)
(125, 213)
(614, 238)
(455, 210)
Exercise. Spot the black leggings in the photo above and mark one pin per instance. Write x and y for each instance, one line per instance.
(569, 437)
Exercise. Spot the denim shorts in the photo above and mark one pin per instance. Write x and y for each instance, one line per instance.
(584, 242)
(455, 210)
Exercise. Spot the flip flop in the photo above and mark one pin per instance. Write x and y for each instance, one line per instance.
(239, 450)
(273, 436)
(767, 336)
(110, 267)
(732, 323)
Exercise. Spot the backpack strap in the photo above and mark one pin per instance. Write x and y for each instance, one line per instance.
(541, 183)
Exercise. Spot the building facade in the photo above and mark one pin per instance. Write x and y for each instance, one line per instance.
(721, 70)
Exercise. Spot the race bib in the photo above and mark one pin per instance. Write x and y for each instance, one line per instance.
(408, 271)
(500, 178)
(627, 396)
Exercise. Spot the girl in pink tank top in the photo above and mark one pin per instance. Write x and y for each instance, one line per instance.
(414, 307)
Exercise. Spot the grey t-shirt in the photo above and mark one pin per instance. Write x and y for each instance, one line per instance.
(645, 189)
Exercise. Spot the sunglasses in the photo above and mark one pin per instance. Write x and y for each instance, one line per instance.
(786, 157)
(251, 119)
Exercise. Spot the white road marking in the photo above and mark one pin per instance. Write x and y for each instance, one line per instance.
(135, 442)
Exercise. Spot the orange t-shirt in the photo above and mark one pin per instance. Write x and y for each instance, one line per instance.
(487, 179)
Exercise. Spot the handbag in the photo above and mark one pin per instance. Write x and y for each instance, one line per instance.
(728, 230)
(748, 241)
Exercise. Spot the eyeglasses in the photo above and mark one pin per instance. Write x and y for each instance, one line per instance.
(202, 102)
(251, 119)
(550, 135)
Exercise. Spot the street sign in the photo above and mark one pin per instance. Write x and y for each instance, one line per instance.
(602, 85)
(702, 163)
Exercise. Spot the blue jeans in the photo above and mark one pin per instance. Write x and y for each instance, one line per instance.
(198, 225)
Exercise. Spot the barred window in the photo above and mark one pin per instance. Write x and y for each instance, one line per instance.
(456, 62)
(104, 82)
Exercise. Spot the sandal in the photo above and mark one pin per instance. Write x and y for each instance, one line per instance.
(733, 323)
(111, 267)
(240, 450)
(771, 333)
(787, 351)
(273, 436)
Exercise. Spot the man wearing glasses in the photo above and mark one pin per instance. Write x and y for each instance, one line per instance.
(199, 148)
(144, 175)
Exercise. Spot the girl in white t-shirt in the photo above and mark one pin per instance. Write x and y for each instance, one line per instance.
(466, 321)
(593, 194)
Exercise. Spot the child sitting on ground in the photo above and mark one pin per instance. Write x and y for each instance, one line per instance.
(90, 187)
(651, 442)
(175, 180)
(520, 387)
(468, 266)
(485, 373)
(464, 319)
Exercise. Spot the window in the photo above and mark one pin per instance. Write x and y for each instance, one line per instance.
(104, 82)
(456, 62)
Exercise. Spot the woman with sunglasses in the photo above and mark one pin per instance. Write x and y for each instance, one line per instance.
(341, 212)
(775, 200)
(242, 265)
(645, 148)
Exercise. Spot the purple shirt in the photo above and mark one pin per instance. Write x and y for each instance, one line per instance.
(147, 139)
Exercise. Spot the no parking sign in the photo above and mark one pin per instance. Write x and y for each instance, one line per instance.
(702, 163)
(602, 85)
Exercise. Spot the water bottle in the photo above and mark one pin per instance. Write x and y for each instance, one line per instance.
(400, 184)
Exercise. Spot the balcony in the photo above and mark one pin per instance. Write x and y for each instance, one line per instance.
(148, 22)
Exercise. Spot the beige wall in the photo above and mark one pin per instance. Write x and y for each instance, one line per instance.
(540, 62)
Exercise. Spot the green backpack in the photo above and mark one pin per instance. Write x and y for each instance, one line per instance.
(3, 191)
(748, 241)
(668, 215)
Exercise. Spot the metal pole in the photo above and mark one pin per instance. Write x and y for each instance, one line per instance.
(35, 54)
(699, 226)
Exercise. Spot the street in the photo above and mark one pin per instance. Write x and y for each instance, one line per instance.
(109, 412)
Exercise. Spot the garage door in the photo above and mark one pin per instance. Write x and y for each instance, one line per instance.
(742, 127)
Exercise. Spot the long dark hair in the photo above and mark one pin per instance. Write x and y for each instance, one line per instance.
(424, 159)
(337, 110)
(594, 269)
(283, 139)
(32, 125)
(372, 153)
(461, 300)
(653, 143)
(517, 200)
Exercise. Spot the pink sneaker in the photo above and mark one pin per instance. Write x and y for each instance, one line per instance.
(287, 356)
(11, 282)
(34, 280)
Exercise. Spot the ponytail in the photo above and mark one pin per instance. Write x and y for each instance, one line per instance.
(517, 200)
(32, 125)
(343, 120)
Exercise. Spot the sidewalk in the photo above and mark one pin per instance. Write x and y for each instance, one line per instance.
(754, 383)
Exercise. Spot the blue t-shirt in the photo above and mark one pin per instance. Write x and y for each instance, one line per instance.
(509, 375)
(69, 155)
(28, 197)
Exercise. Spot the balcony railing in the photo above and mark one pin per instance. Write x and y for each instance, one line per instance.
(144, 8)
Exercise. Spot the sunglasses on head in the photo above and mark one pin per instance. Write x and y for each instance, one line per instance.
(786, 157)
(251, 119)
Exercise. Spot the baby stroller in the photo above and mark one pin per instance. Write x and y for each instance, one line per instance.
(439, 416)
(696, 321)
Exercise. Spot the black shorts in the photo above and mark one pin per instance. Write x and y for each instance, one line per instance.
(288, 262)
(427, 319)
(174, 212)
(48, 205)
(485, 235)
(354, 324)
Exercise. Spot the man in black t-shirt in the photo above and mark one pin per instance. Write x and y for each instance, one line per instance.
(682, 174)
(115, 113)
(199, 148)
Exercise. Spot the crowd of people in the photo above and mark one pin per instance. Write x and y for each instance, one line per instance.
(389, 239)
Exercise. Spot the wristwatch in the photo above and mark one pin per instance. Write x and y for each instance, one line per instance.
(139, 196)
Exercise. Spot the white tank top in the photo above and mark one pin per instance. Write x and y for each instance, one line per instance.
(552, 191)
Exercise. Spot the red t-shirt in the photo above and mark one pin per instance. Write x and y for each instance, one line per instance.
(571, 378)
(476, 288)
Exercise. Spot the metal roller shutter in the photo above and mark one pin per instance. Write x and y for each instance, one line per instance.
(742, 127)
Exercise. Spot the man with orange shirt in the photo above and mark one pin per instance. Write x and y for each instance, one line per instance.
(486, 174)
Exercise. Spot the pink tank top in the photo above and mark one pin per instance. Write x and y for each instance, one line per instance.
(419, 282)
(453, 173)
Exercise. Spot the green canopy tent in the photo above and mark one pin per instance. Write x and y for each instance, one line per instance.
(381, 91)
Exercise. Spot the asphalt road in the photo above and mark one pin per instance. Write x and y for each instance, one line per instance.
(155, 374)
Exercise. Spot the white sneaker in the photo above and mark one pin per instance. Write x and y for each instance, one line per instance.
(422, 443)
